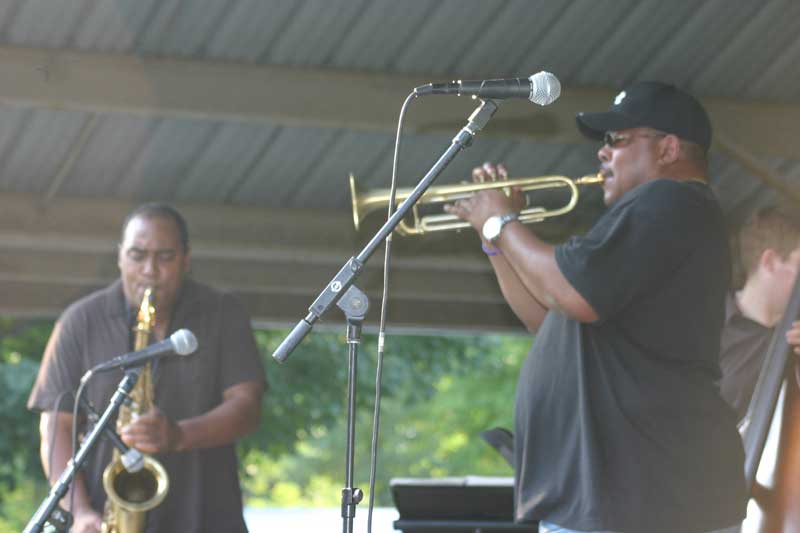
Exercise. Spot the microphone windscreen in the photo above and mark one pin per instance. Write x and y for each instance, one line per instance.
(545, 88)
(184, 342)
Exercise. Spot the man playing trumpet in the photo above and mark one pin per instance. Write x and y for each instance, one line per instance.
(619, 426)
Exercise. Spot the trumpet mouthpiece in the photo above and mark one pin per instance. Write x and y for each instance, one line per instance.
(592, 179)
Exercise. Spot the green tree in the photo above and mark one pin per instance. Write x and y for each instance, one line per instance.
(439, 394)
(306, 393)
(21, 479)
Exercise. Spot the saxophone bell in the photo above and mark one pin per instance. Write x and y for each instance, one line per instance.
(132, 494)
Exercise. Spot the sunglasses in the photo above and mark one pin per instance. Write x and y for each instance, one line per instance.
(616, 140)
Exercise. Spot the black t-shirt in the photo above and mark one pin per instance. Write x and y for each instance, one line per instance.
(743, 348)
(204, 494)
(619, 424)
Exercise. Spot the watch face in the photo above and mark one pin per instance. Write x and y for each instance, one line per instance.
(491, 228)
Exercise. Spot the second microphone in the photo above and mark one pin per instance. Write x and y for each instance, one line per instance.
(182, 342)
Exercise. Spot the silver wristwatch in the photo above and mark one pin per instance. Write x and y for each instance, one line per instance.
(494, 225)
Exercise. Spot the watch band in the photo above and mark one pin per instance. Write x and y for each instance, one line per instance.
(505, 219)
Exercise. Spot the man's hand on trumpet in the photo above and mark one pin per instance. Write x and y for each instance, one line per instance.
(484, 204)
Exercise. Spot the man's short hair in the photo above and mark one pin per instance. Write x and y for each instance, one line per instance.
(773, 227)
(160, 210)
(695, 153)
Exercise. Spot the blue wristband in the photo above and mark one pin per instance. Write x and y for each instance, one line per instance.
(489, 251)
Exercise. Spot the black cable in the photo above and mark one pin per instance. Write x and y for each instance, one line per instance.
(382, 327)
(75, 412)
(54, 425)
(67, 520)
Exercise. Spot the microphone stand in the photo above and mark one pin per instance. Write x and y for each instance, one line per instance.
(354, 302)
(59, 489)
(353, 267)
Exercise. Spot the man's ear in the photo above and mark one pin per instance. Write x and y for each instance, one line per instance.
(670, 147)
(187, 261)
(769, 260)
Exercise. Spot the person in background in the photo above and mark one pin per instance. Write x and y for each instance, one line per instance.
(769, 254)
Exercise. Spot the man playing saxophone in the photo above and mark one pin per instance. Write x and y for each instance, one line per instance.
(203, 403)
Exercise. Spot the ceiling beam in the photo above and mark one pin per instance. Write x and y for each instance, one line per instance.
(277, 261)
(98, 83)
(71, 157)
(27, 300)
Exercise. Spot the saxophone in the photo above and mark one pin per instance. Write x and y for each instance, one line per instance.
(132, 494)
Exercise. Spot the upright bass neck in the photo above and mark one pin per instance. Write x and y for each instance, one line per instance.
(765, 396)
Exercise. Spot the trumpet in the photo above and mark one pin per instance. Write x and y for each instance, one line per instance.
(369, 201)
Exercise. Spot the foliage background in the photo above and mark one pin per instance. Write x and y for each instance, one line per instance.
(439, 393)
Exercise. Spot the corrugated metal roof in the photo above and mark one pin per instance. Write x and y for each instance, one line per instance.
(739, 49)
(716, 46)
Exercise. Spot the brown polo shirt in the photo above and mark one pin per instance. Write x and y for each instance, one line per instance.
(204, 493)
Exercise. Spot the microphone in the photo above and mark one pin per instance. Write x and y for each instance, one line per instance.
(182, 342)
(542, 88)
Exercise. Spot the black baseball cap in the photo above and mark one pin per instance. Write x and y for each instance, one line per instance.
(651, 104)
